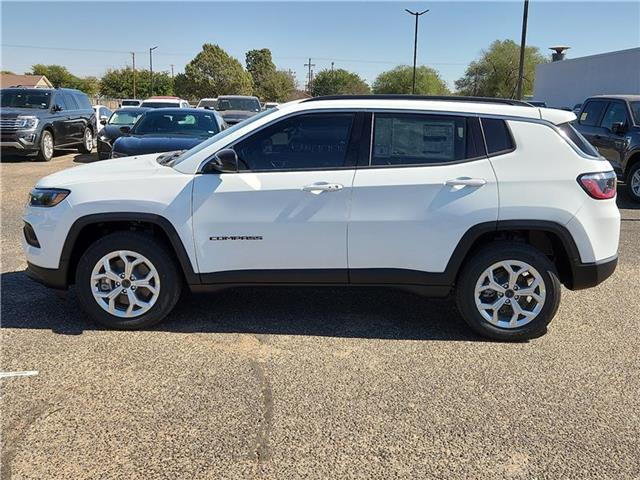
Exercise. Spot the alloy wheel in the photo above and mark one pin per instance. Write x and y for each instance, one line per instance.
(47, 144)
(125, 284)
(635, 183)
(88, 139)
(510, 294)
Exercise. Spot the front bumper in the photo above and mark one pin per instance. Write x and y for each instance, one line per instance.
(49, 277)
(20, 141)
(104, 149)
(587, 275)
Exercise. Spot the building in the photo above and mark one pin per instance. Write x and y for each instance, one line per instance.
(31, 81)
(564, 83)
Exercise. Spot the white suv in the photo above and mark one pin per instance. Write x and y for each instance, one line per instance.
(495, 199)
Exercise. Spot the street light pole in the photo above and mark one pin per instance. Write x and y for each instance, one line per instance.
(523, 42)
(415, 46)
(151, 70)
(133, 58)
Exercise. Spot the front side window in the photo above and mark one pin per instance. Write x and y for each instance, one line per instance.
(70, 101)
(417, 139)
(635, 108)
(314, 141)
(26, 99)
(591, 113)
(616, 113)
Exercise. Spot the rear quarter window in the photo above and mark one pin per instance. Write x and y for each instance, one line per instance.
(497, 136)
(570, 133)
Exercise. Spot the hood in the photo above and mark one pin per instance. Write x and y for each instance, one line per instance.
(235, 116)
(111, 131)
(129, 169)
(133, 145)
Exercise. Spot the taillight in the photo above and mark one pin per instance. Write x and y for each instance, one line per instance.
(601, 185)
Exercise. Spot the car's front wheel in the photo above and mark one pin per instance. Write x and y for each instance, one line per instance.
(45, 153)
(508, 291)
(87, 141)
(128, 280)
(633, 182)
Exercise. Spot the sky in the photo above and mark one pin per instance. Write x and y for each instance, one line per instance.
(364, 37)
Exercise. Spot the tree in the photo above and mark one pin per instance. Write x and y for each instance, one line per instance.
(495, 73)
(338, 82)
(262, 70)
(118, 83)
(213, 73)
(400, 79)
(59, 76)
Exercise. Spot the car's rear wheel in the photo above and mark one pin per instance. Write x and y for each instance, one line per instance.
(508, 291)
(633, 182)
(128, 280)
(45, 153)
(87, 141)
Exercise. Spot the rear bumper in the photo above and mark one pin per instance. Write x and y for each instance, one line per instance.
(587, 275)
(49, 277)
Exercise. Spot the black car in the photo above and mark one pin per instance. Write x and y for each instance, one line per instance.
(124, 117)
(236, 108)
(167, 130)
(612, 124)
(36, 121)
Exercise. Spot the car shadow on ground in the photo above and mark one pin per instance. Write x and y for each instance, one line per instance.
(624, 200)
(86, 157)
(379, 313)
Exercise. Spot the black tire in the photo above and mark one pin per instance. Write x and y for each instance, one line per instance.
(632, 171)
(82, 148)
(44, 154)
(148, 246)
(485, 258)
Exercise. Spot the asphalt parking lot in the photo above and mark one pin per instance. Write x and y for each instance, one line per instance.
(314, 383)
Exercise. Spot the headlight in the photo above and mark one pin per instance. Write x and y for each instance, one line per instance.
(27, 123)
(47, 197)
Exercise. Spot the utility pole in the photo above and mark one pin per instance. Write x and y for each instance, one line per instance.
(415, 46)
(310, 81)
(172, 72)
(151, 70)
(523, 42)
(133, 58)
(331, 67)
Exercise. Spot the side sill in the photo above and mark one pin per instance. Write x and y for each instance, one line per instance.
(436, 291)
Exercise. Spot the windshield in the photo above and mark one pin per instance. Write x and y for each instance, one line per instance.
(174, 123)
(207, 103)
(635, 108)
(246, 104)
(160, 104)
(221, 135)
(123, 117)
(131, 103)
(26, 99)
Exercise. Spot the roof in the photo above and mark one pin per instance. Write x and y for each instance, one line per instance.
(136, 109)
(630, 97)
(27, 81)
(435, 104)
(237, 96)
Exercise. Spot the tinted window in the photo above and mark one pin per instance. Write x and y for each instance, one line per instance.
(578, 140)
(497, 136)
(82, 100)
(26, 98)
(70, 101)
(408, 139)
(590, 115)
(635, 108)
(616, 113)
(59, 100)
(245, 104)
(174, 123)
(300, 142)
(131, 103)
(160, 104)
(124, 117)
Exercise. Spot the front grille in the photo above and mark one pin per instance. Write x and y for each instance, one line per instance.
(11, 124)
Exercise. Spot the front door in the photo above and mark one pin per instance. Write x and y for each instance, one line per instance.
(612, 144)
(283, 217)
(427, 182)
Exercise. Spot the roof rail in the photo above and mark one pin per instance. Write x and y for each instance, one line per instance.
(442, 98)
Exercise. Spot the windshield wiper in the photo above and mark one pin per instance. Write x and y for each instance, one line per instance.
(167, 157)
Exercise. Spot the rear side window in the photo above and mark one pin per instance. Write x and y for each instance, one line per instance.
(497, 136)
(70, 101)
(591, 113)
(417, 139)
(82, 100)
(578, 140)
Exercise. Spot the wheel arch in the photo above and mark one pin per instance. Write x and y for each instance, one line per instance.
(634, 158)
(86, 229)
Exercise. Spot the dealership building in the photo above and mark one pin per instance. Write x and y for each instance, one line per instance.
(565, 83)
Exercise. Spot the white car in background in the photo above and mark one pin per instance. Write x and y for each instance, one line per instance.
(268, 105)
(130, 103)
(208, 103)
(493, 199)
(165, 102)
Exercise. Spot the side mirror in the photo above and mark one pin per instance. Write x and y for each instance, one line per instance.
(103, 121)
(56, 108)
(125, 129)
(619, 128)
(225, 161)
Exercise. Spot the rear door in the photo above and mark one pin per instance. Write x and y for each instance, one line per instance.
(283, 216)
(60, 120)
(74, 119)
(426, 182)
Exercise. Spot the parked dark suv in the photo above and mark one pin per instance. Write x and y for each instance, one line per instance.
(612, 124)
(35, 121)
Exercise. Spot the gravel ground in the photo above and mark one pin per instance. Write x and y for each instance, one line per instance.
(314, 383)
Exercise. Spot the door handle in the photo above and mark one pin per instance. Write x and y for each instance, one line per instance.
(466, 182)
(322, 187)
